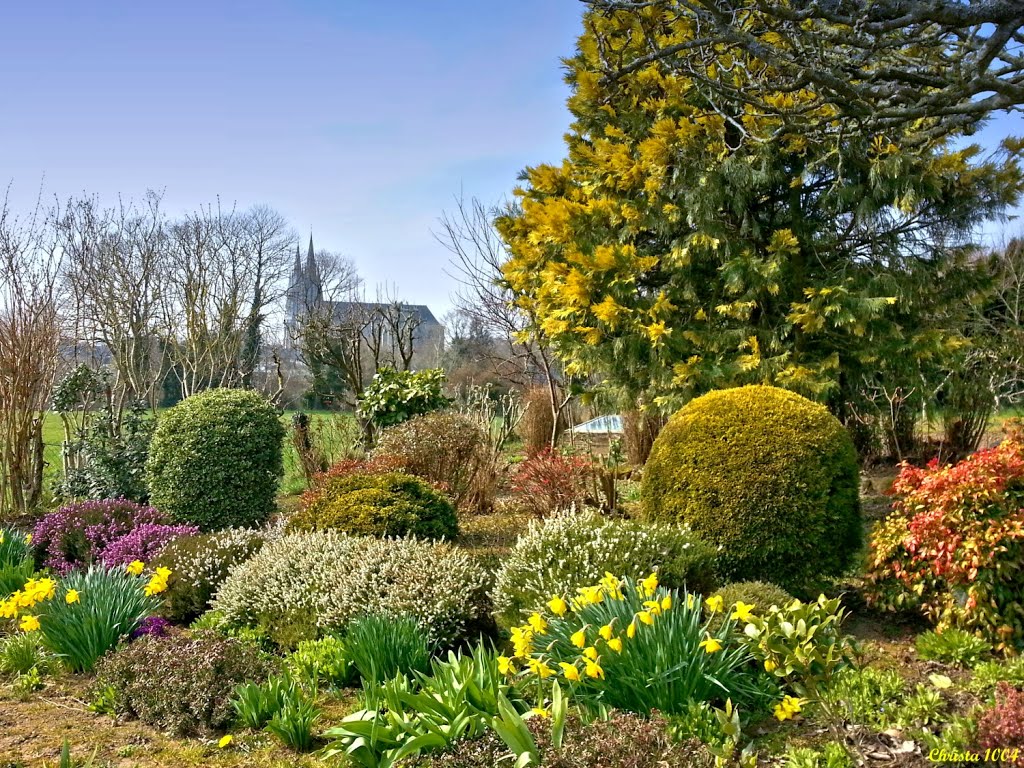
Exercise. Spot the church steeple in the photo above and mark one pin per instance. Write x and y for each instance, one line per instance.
(297, 269)
(310, 259)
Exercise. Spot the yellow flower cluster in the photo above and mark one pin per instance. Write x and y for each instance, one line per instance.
(788, 708)
(610, 636)
(157, 582)
(34, 592)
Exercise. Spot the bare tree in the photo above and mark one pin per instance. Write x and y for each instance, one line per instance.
(30, 335)
(478, 253)
(114, 270)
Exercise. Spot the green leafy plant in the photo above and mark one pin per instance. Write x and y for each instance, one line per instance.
(881, 699)
(952, 646)
(801, 644)
(575, 548)
(381, 647)
(256, 703)
(769, 476)
(458, 700)
(325, 661)
(216, 459)
(294, 722)
(988, 674)
(396, 396)
(110, 605)
(390, 504)
(23, 652)
(16, 561)
(832, 755)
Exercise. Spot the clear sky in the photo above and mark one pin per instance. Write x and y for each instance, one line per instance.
(359, 121)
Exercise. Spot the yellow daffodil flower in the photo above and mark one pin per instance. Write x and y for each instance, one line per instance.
(594, 670)
(135, 567)
(714, 603)
(505, 665)
(711, 645)
(590, 653)
(648, 585)
(770, 666)
(537, 623)
(615, 644)
(558, 606)
(540, 712)
(788, 708)
(579, 639)
(666, 602)
(29, 623)
(743, 611)
(570, 671)
(606, 631)
(540, 668)
(645, 617)
(71, 596)
(631, 630)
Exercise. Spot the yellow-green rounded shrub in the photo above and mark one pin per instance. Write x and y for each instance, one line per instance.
(389, 504)
(764, 474)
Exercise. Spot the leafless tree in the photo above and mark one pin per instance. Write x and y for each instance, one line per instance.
(30, 336)
(477, 255)
(882, 63)
(114, 270)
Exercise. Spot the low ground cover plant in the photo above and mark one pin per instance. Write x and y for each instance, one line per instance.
(577, 547)
(952, 646)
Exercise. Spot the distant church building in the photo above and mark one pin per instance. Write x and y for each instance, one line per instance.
(305, 295)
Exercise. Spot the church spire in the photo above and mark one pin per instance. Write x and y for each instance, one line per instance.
(297, 269)
(310, 259)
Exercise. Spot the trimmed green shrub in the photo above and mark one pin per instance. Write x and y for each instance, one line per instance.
(391, 504)
(448, 450)
(199, 565)
(180, 683)
(765, 475)
(306, 585)
(216, 459)
(759, 594)
(572, 549)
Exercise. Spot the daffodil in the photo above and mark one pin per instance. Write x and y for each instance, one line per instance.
(537, 623)
(770, 666)
(29, 623)
(645, 617)
(631, 630)
(711, 645)
(714, 603)
(743, 611)
(540, 668)
(540, 712)
(225, 740)
(71, 596)
(653, 606)
(666, 602)
(579, 639)
(558, 606)
(606, 631)
(788, 708)
(570, 671)
(135, 567)
(505, 665)
(615, 644)
(594, 669)
(590, 653)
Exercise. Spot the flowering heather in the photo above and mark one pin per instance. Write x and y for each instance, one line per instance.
(1001, 727)
(75, 535)
(152, 626)
(143, 543)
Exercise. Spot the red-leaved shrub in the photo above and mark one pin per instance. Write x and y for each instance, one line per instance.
(953, 546)
(550, 481)
(1001, 726)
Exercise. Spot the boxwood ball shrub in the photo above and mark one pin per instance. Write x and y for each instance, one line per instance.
(765, 475)
(390, 504)
(572, 549)
(216, 459)
(306, 585)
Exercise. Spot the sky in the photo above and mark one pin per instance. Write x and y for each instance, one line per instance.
(360, 122)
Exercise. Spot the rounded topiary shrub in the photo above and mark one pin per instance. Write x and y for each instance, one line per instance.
(215, 459)
(389, 504)
(765, 475)
(572, 549)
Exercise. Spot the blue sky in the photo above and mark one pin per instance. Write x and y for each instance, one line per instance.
(359, 121)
